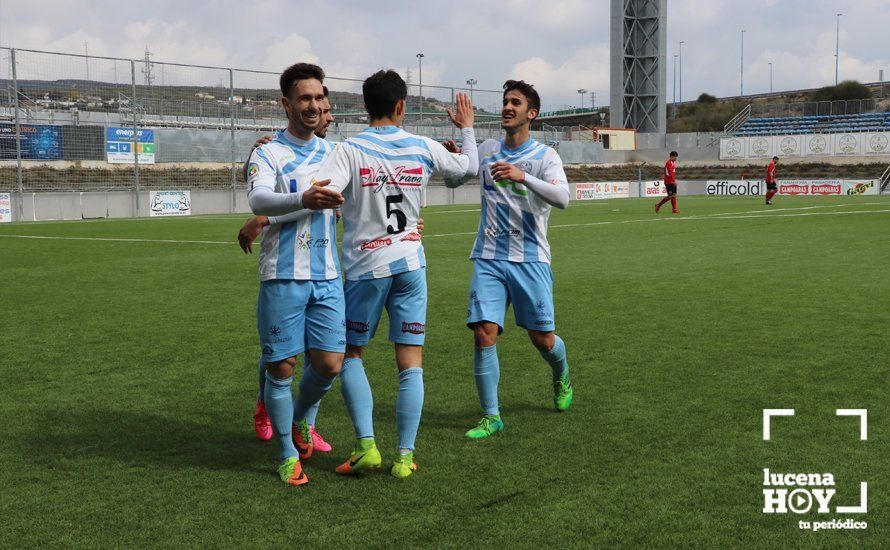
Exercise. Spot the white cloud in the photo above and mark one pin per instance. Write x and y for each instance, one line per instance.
(588, 68)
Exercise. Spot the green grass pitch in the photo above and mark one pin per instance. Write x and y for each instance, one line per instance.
(128, 365)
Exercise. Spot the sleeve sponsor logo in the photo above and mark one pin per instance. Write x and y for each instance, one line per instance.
(374, 245)
(413, 328)
(252, 170)
(413, 236)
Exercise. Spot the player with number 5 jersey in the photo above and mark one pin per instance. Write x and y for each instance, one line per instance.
(381, 173)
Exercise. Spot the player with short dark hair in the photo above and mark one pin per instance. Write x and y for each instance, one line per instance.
(771, 186)
(382, 172)
(521, 181)
(300, 303)
(670, 183)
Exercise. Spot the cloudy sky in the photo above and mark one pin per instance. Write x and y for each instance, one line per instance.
(560, 45)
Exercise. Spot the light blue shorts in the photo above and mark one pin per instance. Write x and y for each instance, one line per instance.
(403, 295)
(498, 283)
(294, 316)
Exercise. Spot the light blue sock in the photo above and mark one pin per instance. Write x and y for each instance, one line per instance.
(409, 405)
(262, 379)
(557, 358)
(357, 395)
(280, 405)
(312, 412)
(488, 373)
(313, 386)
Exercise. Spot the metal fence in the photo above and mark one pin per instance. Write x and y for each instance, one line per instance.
(71, 122)
(813, 108)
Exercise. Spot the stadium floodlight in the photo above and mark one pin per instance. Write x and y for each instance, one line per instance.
(837, 46)
(582, 91)
(770, 77)
(681, 70)
(472, 82)
(420, 57)
(742, 67)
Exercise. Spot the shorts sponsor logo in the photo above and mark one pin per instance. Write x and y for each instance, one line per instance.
(826, 189)
(357, 326)
(494, 232)
(540, 305)
(374, 245)
(267, 350)
(794, 189)
(413, 328)
(401, 176)
(275, 335)
(543, 322)
(413, 236)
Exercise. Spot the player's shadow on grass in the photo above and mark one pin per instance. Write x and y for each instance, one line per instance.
(144, 438)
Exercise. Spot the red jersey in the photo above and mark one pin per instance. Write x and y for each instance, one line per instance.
(771, 173)
(670, 172)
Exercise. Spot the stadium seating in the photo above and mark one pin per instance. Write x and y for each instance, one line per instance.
(819, 124)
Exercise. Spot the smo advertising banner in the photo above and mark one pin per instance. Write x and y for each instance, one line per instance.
(39, 142)
(169, 203)
(119, 146)
(654, 189)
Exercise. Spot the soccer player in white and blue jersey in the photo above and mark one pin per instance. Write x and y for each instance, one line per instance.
(300, 305)
(521, 180)
(381, 173)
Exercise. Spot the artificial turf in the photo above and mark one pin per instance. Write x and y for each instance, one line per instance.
(128, 371)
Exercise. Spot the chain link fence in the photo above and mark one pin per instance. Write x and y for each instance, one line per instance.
(72, 122)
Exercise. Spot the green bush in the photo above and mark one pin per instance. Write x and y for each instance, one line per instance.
(848, 89)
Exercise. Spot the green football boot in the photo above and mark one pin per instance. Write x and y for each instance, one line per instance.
(488, 426)
(562, 392)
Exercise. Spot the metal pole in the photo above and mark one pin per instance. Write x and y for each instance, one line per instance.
(742, 67)
(232, 101)
(18, 139)
(681, 70)
(420, 79)
(675, 86)
(770, 78)
(135, 134)
(837, 46)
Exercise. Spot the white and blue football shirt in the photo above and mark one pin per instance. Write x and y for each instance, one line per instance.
(306, 248)
(381, 173)
(513, 222)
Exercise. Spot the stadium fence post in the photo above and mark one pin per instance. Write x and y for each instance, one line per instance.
(232, 133)
(18, 138)
(135, 137)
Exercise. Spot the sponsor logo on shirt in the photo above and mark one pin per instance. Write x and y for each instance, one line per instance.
(374, 245)
(401, 176)
(357, 326)
(494, 232)
(413, 328)
(305, 241)
(252, 169)
(413, 236)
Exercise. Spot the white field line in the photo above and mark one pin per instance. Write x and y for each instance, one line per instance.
(727, 216)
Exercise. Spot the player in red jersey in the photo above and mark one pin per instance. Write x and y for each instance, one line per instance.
(670, 183)
(771, 187)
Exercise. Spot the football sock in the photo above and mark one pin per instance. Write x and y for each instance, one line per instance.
(313, 386)
(663, 201)
(674, 202)
(409, 405)
(557, 358)
(312, 411)
(487, 372)
(357, 396)
(280, 404)
(261, 371)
